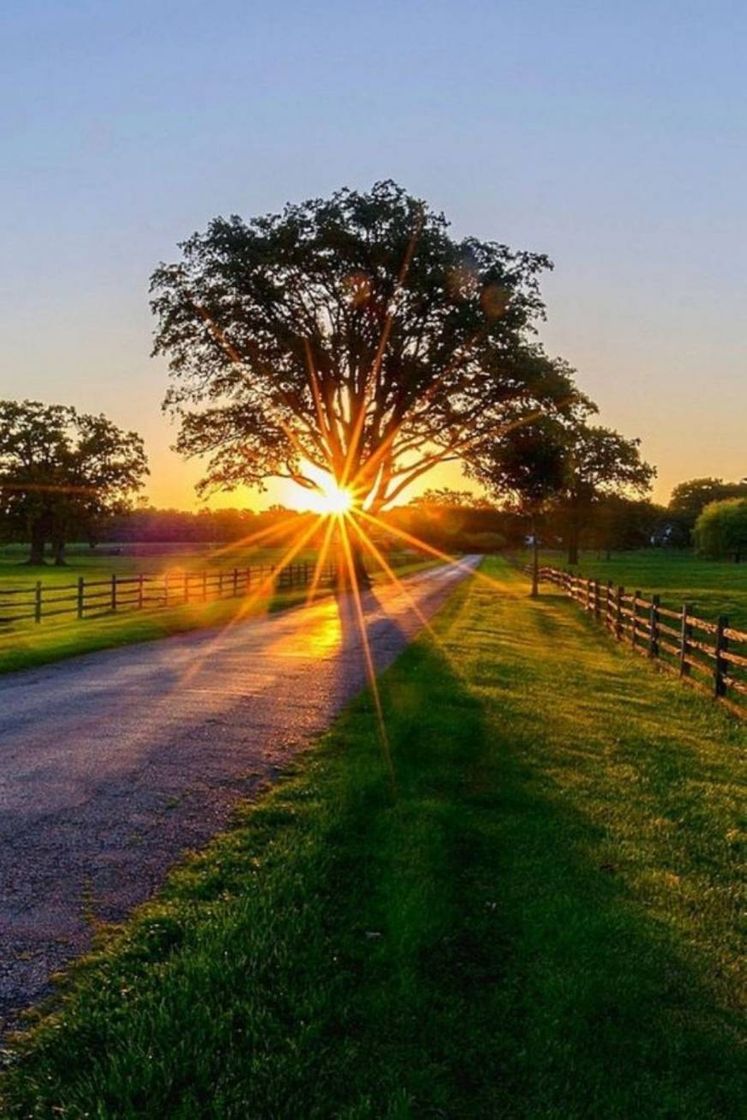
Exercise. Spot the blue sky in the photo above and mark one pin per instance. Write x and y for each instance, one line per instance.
(610, 136)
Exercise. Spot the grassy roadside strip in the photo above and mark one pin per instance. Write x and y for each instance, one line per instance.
(28, 647)
(543, 923)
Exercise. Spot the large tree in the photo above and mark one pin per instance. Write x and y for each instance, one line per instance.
(62, 473)
(352, 335)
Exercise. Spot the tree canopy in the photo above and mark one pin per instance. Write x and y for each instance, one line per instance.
(690, 498)
(566, 463)
(721, 530)
(61, 472)
(352, 335)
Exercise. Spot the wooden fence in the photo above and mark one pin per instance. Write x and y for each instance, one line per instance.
(710, 655)
(94, 598)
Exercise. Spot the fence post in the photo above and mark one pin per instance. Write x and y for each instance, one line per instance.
(619, 612)
(720, 666)
(634, 618)
(248, 579)
(685, 635)
(81, 594)
(220, 584)
(38, 602)
(114, 591)
(235, 582)
(597, 601)
(140, 588)
(653, 632)
(608, 611)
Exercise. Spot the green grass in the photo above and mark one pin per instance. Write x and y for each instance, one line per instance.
(542, 923)
(713, 587)
(27, 645)
(93, 564)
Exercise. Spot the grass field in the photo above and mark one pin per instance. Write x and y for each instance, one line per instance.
(541, 922)
(100, 564)
(713, 587)
(25, 645)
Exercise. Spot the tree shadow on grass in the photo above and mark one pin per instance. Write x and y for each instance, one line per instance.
(518, 972)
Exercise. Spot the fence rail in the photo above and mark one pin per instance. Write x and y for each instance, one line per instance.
(712, 656)
(95, 598)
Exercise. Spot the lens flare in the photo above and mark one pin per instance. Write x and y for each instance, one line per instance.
(329, 498)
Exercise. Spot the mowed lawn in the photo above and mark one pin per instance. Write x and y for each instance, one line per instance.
(712, 587)
(27, 644)
(541, 919)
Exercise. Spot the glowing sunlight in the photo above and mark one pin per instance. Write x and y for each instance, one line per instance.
(328, 498)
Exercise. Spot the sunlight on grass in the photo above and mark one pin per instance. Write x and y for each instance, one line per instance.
(545, 922)
(712, 587)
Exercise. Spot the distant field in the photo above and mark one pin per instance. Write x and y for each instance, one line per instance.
(24, 645)
(712, 587)
(133, 559)
(153, 560)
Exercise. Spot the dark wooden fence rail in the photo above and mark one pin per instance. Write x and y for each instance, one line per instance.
(710, 655)
(93, 598)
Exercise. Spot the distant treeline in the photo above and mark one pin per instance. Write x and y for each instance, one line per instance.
(450, 523)
(162, 526)
(447, 520)
(441, 525)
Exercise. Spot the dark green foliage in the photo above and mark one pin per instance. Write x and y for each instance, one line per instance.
(557, 471)
(63, 473)
(721, 530)
(690, 498)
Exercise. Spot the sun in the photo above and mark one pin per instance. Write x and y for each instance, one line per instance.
(328, 498)
(333, 499)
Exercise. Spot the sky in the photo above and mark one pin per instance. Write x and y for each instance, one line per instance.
(610, 136)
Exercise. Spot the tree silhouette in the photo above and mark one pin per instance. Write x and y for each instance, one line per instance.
(62, 472)
(352, 335)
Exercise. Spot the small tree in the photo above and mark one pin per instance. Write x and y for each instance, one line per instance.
(62, 473)
(529, 465)
(721, 530)
(598, 461)
(691, 497)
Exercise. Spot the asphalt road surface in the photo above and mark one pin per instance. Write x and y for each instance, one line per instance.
(113, 764)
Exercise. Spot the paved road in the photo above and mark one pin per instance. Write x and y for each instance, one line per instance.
(112, 764)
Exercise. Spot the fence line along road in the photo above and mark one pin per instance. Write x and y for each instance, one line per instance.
(710, 655)
(95, 598)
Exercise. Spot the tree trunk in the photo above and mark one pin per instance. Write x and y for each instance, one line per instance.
(352, 556)
(535, 560)
(573, 535)
(36, 551)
